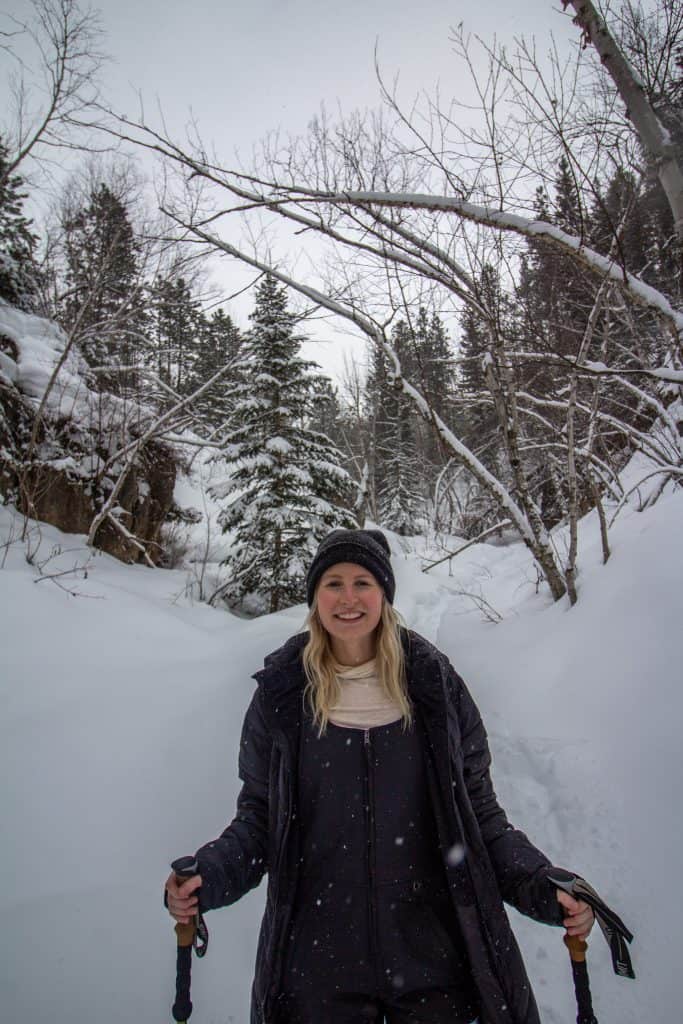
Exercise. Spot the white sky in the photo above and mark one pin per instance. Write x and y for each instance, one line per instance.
(245, 69)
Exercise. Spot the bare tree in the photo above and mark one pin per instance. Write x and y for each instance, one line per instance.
(429, 198)
(56, 58)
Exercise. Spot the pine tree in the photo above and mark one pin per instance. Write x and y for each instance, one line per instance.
(326, 413)
(218, 343)
(178, 323)
(554, 302)
(434, 373)
(17, 240)
(477, 423)
(105, 302)
(396, 468)
(555, 294)
(287, 489)
(407, 454)
(477, 420)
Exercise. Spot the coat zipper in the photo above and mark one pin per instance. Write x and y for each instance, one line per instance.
(278, 871)
(371, 850)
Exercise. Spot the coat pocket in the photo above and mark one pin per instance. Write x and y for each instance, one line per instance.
(427, 925)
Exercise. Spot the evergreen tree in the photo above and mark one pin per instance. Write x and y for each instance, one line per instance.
(400, 498)
(105, 302)
(477, 423)
(219, 342)
(287, 489)
(555, 294)
(395, 467)
(646, 247)
(17, 241)
(554, 302)
(434, 370)
(406, 455)
(326, 412)
(178, 323)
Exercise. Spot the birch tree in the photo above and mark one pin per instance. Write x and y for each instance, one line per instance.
(655, 137)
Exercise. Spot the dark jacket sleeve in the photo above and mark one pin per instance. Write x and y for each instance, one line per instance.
(520, 868)
(235, 862)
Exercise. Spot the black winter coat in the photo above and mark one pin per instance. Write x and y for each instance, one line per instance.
(500, 863)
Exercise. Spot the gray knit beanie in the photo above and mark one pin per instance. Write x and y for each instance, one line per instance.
(368, 548)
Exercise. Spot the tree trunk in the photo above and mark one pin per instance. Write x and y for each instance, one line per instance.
(652, 133)
(502, 387)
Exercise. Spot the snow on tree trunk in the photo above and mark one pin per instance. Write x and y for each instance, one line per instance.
(654, 136)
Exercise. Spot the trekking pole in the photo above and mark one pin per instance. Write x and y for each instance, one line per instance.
(194, 934)
(616, 935)
(584, 1003)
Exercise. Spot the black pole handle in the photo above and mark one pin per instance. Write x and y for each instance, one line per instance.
(584, 1004)
(184, 868)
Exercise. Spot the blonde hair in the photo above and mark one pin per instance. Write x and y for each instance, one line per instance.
(322, 686)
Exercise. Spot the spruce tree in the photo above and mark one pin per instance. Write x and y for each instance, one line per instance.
(178, 324)
(406, 453)
(17, 241)
(287, 488)
(218, 343)
(396, 467)
(105, 302)
(477, 422)
(434, 371)
(556, 293)
(326, 412)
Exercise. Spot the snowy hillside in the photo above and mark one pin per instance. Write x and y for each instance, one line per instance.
(122, 706)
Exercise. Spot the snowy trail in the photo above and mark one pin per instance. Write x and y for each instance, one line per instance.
(121, 717)
(584, 710)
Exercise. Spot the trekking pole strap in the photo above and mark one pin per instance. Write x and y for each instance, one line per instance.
(613, 928)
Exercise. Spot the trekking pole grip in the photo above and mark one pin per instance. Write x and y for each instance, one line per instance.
(184, 868)
(577, 951)
(577, 948)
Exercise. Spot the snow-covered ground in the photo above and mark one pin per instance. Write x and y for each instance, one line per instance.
(121, 710)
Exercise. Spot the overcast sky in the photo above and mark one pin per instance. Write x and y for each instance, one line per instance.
(246, 68)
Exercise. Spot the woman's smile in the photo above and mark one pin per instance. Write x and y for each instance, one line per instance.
(349, 605)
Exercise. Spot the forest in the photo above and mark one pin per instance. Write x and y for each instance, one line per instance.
(515, 265)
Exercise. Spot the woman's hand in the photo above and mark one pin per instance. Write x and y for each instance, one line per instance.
(579, 918)
(180, 899)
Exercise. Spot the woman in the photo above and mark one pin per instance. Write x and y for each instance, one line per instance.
(367, 798)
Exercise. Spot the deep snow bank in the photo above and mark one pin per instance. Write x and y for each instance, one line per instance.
(121, 716)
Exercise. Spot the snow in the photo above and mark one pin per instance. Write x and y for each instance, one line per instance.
(40, 344)
(672, 376)
(122, 706)
(278, 445)
(506, 221)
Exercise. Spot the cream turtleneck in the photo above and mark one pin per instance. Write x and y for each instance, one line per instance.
(362, 702)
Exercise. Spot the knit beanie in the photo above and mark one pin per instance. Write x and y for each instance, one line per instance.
(368, 548)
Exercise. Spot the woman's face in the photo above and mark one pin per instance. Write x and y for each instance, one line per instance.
(349, 603)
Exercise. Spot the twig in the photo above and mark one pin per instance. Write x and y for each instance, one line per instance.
(482, 536)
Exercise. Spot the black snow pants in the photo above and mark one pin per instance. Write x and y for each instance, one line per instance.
(374, 936)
